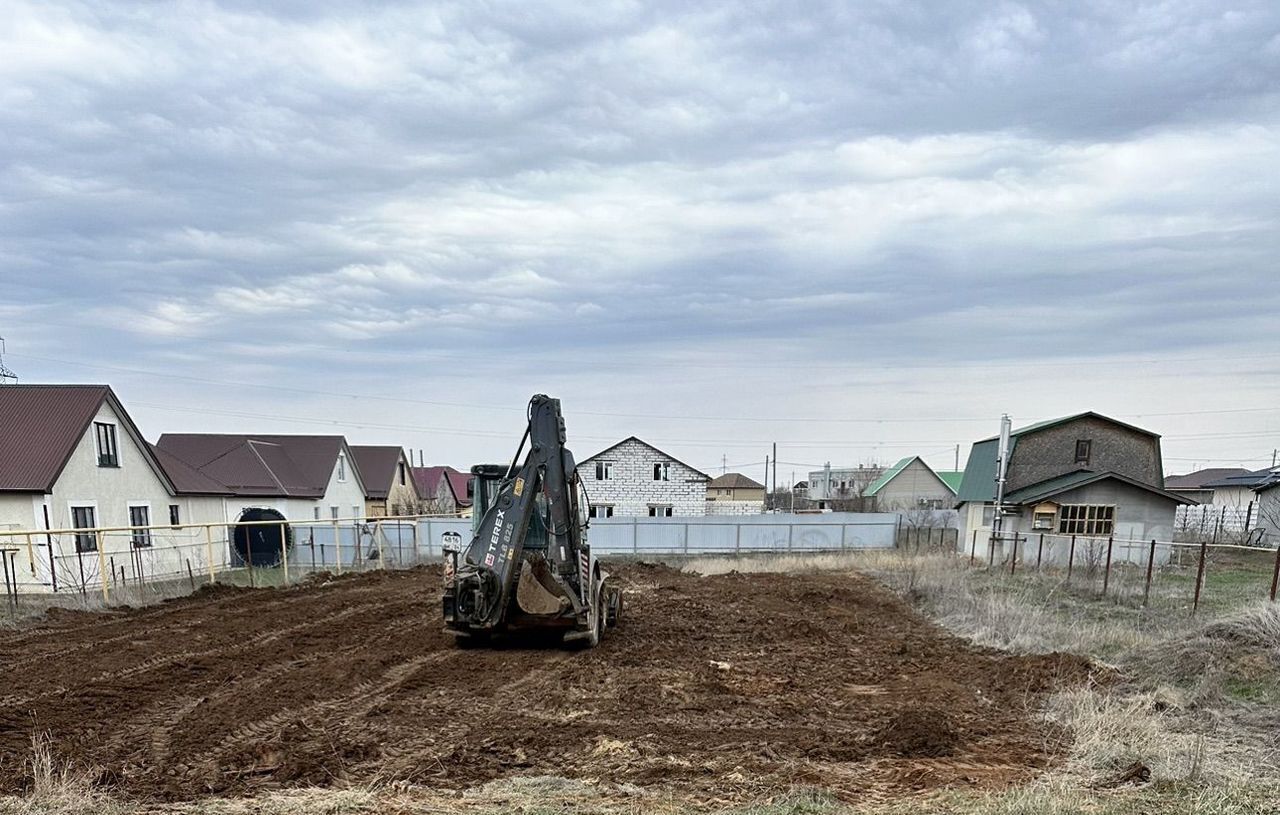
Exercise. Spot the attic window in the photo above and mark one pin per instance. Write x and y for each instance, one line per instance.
(108, 453)
(604, 471)
(662, 471)
(403, 477)
(1083, 448)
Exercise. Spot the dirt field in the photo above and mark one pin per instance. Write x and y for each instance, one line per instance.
(719, 687)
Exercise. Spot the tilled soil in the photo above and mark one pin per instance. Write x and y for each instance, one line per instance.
(715, 687)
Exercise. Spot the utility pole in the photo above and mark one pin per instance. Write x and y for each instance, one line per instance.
(724, 464)
(766, 483)
(1273, 457)
(1002, 466)
(775, 466)
(957, 457)
(793, 491)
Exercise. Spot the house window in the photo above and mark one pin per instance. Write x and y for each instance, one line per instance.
(342, 467)
(988, 514)
(659, 511)
(1086, 519)
(83, 518)
(929, 503)
(604, 471)
(108, 453)
(316, 510)
(1083, 448)
(662, 471)
(403, 477)
(333, 513)
(139, 519)
(1043, 521)
(175, 515)
(355, 512)
(602, 510)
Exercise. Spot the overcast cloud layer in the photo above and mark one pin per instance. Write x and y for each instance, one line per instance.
(863, 230)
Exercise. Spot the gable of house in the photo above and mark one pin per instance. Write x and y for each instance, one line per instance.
(1047, 450)
(380, 468)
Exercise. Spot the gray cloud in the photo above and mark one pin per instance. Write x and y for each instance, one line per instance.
(551, 193)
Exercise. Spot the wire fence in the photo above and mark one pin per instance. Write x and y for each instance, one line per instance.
(128, 565)
(1142, 572)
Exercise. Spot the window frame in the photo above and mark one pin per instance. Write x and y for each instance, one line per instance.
(342, 468)
(600, 512)
(1087, 520)
(604, 471)
(106, 444)
(139, 538)
(1084, 451)
(661, 511)
(85, 541)
(175, 515)
(662, 471)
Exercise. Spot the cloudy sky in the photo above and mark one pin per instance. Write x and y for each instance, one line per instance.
(862, 230)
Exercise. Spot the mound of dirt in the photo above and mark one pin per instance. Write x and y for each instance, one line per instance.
(726, 687)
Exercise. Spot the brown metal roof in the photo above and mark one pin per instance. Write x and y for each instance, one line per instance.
(186, 479)
(1200, 478)
(40, 426)
(734, 481)
(377, 467)
(260, 465)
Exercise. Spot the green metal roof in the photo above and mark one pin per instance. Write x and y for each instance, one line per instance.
(888, 475)
(979, 481)
(951, 478)
(1053, 486)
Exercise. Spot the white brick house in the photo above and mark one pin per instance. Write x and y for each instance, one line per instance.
(633, 478)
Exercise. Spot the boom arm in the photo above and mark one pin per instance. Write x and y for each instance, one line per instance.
(490, 564)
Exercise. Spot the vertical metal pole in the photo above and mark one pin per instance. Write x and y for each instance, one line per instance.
(31, 556)
(686, 537)
(208, 553)
(1204, 548)
(284, 553)
(1106, 573)
(337, 545)
(400, 543)
(1013, 561)
(1151, 560)
(377, 536)
(844, 534)
(248, 554)
(635, 536)
(102, 567)
(973, 550)
(991, 550)
(1040, 552)
(791, 528)
(1071, 557)
(737, 544)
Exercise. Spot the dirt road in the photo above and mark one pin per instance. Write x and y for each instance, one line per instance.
(724, 686)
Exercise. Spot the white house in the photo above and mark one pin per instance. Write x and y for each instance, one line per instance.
(71, 458)
(633, 478)
(304, 478)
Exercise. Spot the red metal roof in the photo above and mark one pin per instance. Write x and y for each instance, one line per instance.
(40, 426)
(427, 479)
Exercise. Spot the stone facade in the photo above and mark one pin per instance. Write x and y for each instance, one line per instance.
(625, 480)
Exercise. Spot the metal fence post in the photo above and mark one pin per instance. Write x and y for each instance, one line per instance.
(1040, 552)
(737, 544)
(973, 550)
(844, 533)
(791, 528)
(1013, 561)
(1275, 575)
(1195, 604)
(991, 550)
(635, 537)
(1106, 573)
(1071, 557)
(686, 538)
(1151, 560)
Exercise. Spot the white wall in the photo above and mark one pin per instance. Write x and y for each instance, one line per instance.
(632, 489)
(347, 495)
